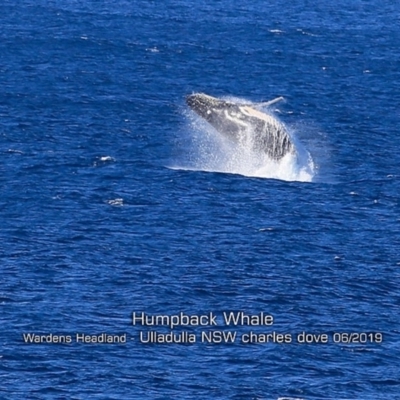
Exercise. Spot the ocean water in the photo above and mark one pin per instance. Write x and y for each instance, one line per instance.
(116, 200)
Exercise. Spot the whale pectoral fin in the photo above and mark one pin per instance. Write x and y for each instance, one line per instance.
(264, 103)
(269, 103)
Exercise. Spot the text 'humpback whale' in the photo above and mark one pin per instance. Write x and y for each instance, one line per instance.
(236, 121)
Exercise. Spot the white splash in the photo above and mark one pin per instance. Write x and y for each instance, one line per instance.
(116, 202)
(289, 398)
(103, 160)
(210, 151)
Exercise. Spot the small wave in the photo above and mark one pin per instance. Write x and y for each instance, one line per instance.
(116, 202)
(306, 33)
(289, 398)
(103, 160)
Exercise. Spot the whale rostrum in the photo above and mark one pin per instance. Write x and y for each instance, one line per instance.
(237, 121)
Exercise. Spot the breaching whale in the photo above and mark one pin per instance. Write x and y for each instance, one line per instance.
(237, 121)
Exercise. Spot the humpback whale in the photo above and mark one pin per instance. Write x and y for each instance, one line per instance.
(237, 121)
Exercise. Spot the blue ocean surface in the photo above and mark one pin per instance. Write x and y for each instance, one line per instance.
(117, 200)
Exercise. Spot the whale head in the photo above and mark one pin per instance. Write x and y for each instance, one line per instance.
(224, 116)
